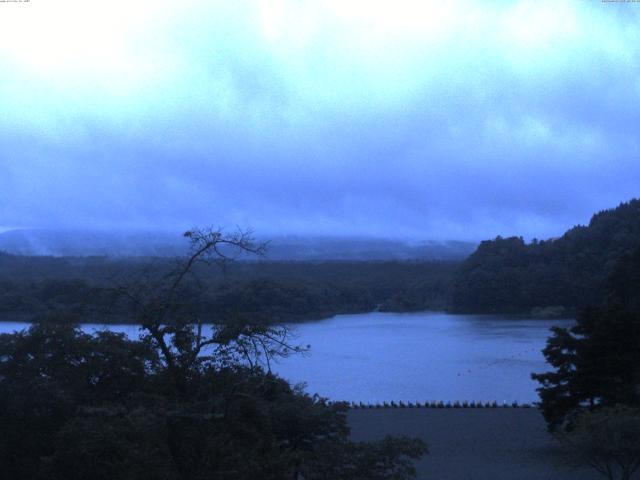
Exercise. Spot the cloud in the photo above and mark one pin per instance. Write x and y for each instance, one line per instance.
(415, 119)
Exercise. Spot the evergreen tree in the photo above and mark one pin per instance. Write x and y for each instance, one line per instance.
(596, 362)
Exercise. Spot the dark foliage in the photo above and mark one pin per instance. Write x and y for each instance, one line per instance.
(33, 287)
(508, 275)
(607, 440)
(182, 402)
(75, 406)
(597, 362)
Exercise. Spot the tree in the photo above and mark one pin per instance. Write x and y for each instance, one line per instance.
(607, 440)
(50, 372)
(183, 402)
(163, 304)
(596, 362)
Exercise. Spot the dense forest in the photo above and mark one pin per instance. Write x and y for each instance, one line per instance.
(179, 403)
(84, 287)
(507, 275)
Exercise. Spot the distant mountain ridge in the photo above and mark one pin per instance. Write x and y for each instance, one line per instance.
(508, 275)
(66, 243)
(163, 244)
(331, 248)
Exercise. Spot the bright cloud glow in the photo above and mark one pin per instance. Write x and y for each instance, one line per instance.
(319, 115)
(57, 40)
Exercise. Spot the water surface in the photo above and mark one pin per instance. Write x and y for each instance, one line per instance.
(378, 357)
(375, 357)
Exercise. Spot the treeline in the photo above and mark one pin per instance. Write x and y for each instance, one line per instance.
(180, 402)
(507, 275)
(86, 288)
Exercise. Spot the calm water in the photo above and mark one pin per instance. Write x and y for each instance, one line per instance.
(412, 356)
(421, 356)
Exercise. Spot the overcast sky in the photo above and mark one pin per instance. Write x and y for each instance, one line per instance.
(424, 120)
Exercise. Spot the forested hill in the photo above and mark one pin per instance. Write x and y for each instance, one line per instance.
(122, 244)
(79, 287)
(508, 275)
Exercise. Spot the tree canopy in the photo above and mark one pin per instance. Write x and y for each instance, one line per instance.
(510, 275)
(597, 362)
(181, 402)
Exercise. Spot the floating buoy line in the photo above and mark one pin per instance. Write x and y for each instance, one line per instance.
(438, 404)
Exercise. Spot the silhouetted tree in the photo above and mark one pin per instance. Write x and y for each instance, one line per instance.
(596, 362)
(184, 402)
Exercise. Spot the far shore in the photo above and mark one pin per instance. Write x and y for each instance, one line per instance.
(93, 319)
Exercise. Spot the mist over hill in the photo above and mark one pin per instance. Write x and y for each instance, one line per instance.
(165, 244)
(328, 248)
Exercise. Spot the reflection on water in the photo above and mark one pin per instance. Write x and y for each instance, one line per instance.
(411, 356)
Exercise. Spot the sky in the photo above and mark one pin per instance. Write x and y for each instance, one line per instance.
(400, 119)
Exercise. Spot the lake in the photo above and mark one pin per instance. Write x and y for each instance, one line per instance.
(376, 357)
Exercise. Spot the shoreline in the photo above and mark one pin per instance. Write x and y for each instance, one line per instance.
(30, 318)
